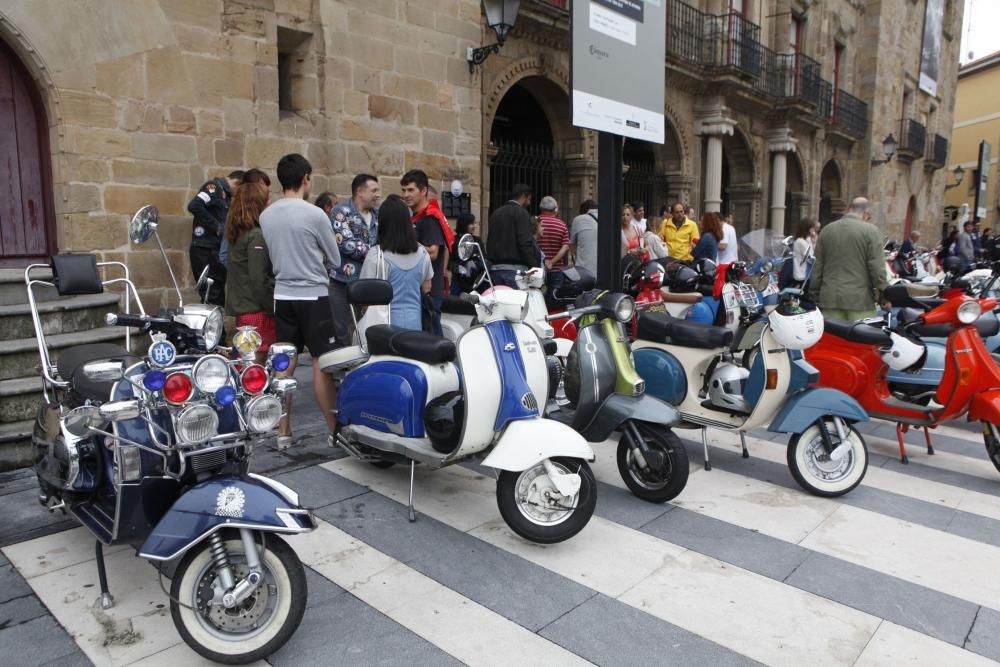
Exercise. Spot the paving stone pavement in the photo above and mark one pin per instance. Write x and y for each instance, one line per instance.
(742, 568)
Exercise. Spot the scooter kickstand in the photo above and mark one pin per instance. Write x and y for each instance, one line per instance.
(413, 515)
(107, 600)
(704, 442)
(902, 447)
(743, 443)
(927, 437)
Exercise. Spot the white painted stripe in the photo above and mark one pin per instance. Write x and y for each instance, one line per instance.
(895, 645)
(943, 460)
(455, 624)
(759, 617)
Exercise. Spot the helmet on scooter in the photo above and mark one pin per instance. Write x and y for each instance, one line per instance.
(795, 326)
(681, 278)
(725, 390)
(443, 420)
(648, 277)
(903, 354)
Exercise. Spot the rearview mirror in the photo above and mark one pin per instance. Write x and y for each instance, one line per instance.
(79, 420)
(143, 224)
(466, 245)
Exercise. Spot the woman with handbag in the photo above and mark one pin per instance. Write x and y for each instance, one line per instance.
(400, 259)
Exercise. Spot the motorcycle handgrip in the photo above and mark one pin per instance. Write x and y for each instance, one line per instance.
(469, 298)
(133, 320)
(551, 317)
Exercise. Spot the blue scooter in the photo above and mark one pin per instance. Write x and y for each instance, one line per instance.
(153, 451)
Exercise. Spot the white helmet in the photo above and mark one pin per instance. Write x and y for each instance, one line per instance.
(796, 327)
(725, 390)
(903, 353)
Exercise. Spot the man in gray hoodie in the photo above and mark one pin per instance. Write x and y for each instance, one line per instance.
(301, 244)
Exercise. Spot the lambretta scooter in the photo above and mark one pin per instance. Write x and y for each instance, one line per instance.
(153, 451)
(760, 379)
(604, 394)
(412, 397)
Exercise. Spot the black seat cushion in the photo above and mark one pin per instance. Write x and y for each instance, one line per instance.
(416, 345)
(664, 328)
(76, 274)
(899, 296)
(987, 326)
(369, 292)
(454, 305)
(71, 362)
(857, 332)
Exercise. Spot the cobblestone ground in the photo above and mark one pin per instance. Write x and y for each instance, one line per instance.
(743, 567)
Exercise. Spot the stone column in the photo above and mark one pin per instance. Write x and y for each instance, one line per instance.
(712, 121)
(780, 142)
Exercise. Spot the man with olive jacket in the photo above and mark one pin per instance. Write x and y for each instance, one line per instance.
(849, 273)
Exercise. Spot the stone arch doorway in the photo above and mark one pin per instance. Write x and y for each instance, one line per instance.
(27, 220)
(654, 172)
(739, 189)
(795, 193)
(530, 139)
(831, 198)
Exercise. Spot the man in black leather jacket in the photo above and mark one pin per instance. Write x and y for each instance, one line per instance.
(510, 245)
(209, 208)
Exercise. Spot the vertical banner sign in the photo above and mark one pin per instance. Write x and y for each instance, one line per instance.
(930, 51)
(617, 67)
(984, 179)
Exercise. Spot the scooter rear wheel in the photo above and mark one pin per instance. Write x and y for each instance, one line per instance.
(992, 445)
(523, 501)
(655, 486)
(813, 469)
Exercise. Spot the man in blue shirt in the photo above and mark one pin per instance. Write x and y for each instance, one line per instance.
(355, 224)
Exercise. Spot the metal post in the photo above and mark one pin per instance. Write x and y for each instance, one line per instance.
(609, 199)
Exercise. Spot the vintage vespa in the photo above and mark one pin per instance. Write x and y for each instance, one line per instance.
(153, 451)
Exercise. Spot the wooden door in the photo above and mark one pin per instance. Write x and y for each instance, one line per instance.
(26, 217)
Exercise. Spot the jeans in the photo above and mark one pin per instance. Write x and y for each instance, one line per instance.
(436, 321)
(504, 277)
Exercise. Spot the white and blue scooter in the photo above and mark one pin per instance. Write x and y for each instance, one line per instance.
(413, 397)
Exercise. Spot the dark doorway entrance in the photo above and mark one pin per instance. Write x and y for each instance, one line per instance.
(26, 219)
(522, 139)
(642, 186)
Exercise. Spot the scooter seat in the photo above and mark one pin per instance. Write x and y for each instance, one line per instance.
(71, 362)
(683, 297)
(856, 332)
(416, 345)
(912, 295)
(987, 325)
(664, 328)
(454, 305)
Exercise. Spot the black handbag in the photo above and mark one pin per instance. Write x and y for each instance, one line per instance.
(428, 313)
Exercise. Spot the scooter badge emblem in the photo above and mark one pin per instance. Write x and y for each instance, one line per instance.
(230, 502)
(509, 347)
(162, 353)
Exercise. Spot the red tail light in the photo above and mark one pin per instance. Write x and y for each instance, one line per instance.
(177, 388)
(254, 379)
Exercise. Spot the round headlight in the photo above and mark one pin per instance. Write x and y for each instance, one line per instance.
(196, 424)
(210, 373)
(263, 413)
(212, 331)
(625, 309)
(969, 312)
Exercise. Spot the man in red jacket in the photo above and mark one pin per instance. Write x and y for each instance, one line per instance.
(433, 233)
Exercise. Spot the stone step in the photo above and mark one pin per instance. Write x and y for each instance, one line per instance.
(15, 444)
(13, 290)
(19, 399)
(68, 314)
(19, 357)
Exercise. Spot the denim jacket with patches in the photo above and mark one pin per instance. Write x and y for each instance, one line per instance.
(354, 237)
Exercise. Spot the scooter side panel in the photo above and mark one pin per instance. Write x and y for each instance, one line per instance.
(223, 502)
(385, 395)
(986, 407)
(481, 387)
(663, 373)
(518, 399)
(529, 441)
(804, 408)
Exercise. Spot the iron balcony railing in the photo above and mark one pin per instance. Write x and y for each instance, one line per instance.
(687, 33)
(937, 152)
(850, 115)
(735, 43)
(912, 138)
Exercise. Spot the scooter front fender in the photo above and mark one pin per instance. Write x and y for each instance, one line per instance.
(229, 501)
(985, 406)
(618, 409)
(526, 442)
(803, 409)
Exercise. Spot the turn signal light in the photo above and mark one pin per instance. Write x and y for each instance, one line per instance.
(964, 375)
(254, 379)
(178, 388)
(772, 378)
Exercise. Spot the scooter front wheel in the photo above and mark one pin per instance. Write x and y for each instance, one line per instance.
(992, 445)
(818, 472)
(255, 627)
(534, 509)
(660, 480)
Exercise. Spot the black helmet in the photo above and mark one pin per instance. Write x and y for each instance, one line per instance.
(952, 264)
(705, 267)
(443, 419)
(681, 278)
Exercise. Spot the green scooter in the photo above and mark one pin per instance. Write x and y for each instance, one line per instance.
(603, 394)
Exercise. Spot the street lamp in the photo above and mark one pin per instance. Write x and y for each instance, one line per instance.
(959, 175)
(500, 17)
(888, 148)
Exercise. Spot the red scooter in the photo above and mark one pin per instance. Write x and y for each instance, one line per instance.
(855, 357)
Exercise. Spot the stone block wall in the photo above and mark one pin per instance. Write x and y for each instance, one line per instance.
(147, 99)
